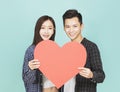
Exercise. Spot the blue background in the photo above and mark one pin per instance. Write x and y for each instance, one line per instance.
(17, 20)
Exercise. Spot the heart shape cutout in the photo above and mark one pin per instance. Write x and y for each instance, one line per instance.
(60, 64)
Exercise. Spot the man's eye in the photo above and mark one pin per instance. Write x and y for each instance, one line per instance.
(50, 28)
(75, 26)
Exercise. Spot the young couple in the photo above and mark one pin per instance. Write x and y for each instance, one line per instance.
(88, 77)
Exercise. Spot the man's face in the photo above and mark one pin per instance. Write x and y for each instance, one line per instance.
(73, 28)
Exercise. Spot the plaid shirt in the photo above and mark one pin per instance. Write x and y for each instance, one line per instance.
(94, 63)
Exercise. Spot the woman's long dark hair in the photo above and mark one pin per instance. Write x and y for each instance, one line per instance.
(37, 38)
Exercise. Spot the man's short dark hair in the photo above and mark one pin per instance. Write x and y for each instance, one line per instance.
(72, 13)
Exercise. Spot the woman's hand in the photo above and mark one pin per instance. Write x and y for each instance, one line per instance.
(34, 64)
(85, 72)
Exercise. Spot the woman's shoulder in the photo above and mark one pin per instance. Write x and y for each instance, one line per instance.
(30, 48)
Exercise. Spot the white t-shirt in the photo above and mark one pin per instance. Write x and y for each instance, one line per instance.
(70, 85)
(47, 83)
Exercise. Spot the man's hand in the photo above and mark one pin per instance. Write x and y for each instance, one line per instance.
(85, 72)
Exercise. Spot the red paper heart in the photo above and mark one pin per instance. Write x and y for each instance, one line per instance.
(59, 64)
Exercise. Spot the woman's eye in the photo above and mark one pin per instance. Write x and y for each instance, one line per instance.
(42, 28)
(67, 26)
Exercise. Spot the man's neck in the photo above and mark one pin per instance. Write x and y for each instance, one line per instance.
(78, 39)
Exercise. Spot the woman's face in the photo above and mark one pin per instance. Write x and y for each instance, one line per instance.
(47, 30)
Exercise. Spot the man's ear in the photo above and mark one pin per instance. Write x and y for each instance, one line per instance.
(82, 26)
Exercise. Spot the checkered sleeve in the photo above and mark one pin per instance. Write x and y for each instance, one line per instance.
(97, 69)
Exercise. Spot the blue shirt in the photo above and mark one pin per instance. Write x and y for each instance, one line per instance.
(31, 78)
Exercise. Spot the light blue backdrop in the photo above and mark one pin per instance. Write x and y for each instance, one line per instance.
(17, 20)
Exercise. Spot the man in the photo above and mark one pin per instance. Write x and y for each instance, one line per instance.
(92, 73)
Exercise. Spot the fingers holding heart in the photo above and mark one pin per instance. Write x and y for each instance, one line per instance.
(85, 72)
(34, 64)
(52, 57)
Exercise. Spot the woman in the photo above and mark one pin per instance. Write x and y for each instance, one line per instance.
(34, 80)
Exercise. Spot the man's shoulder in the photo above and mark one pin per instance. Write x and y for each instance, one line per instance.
(88, 43)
